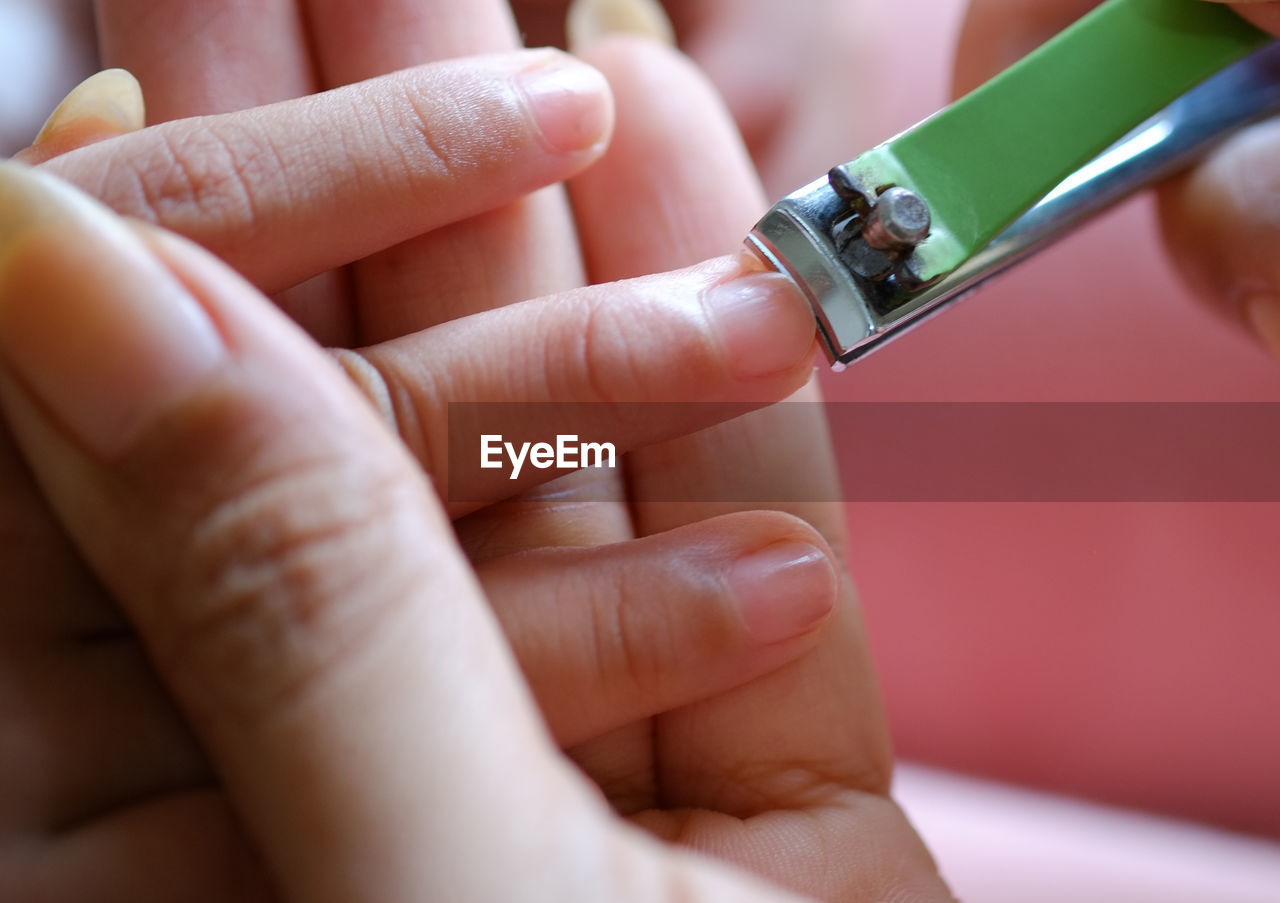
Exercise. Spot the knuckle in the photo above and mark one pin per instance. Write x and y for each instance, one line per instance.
(627, 336)
(409, 407)
(641, 643)
(611, 366)
(622, 652)
(280, 583)
(420, 153)
(200, 181)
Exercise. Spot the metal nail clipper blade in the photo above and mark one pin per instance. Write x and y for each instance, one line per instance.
(1133, 92)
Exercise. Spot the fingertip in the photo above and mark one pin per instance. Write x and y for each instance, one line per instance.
(779, 572)
(783, 590)
(106, 104)
(570, 103)
(762, 322)
(590, 21)
(1220, 223)
(91, 323)
(1262, 311)
(997, 33)
(1263, 13)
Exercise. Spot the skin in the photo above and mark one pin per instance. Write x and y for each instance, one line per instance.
(738, 775)
(724, 37)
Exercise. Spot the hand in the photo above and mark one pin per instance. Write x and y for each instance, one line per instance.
(111, 796)
(843, 762)
(1218, 219)
(110, 793)
(298, 591)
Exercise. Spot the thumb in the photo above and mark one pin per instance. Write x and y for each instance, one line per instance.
(1222, 227)
(295, 583)
(1263, 13)
(1220, 221)
(997, 33)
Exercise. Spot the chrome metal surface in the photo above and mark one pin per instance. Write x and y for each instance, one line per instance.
(899, 220)
(856, 315)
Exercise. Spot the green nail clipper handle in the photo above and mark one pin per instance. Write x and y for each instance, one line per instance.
(884, 231)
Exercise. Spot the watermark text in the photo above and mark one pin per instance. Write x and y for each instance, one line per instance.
(566, 454)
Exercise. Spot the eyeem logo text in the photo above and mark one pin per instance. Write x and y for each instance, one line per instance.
(567, 454)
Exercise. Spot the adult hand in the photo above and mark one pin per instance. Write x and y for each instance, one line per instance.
(829, 764)
(1219, 218)
(299, 592)
(107, 793)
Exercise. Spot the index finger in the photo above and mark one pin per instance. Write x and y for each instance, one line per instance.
(287, 191)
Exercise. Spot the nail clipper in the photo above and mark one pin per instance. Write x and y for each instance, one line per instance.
(1133, 92)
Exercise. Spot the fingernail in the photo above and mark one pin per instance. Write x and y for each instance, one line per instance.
(91, 324)
(764, 323)
(1263, 313)
(588, 21)
(570, 102)
(110, 101)
(783, 590)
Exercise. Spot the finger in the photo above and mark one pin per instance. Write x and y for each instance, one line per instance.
(287, 191)
(997, 33)
(357, 39)
(235, 517)
(295, 583)
(576, 364)
(727, 39)
(589, 21)
(831, 735)
(207, 58)
(561, 23)
(1215, 219)
(610, 635)
(98, 734)
(534, 236)
(102, 106)
(673, 130)
(1262, 13)
(197, 59)
(185, 846)
(587, 507)
(1220, 224)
